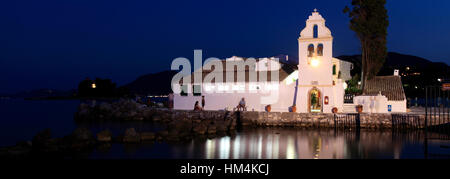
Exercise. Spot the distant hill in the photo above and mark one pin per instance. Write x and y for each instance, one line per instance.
(417, 73)
(159, 83)
(152, 84)
(400, 61)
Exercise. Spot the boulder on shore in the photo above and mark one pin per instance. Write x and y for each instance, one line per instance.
(131, 136)
(221, 126)
(212, 129)
(147, 136)
(200, 129)
(162, 134)
(42, 137)
(104, 136)
(42, 141)
(82, 134)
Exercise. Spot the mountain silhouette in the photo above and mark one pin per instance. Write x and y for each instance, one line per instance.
(152, 84)
(159, 83)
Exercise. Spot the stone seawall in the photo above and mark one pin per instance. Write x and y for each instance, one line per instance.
(306, 120)
(297, 120)
(210, 121)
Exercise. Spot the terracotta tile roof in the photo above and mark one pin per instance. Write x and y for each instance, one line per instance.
(389, 86)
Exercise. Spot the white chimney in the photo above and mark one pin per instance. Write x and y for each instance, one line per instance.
(396, 72)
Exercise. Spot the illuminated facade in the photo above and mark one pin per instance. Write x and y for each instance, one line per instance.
(315, 85)
(320, 87)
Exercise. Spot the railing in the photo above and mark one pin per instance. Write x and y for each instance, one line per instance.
(348, 98)
(347, 121)
(437, 110)
(406, 122)
(437, 119)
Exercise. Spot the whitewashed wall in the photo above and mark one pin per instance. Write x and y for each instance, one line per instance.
(338, 95)
(323, 73)
(398, 106)
(372, 104)
(380, 104)
(345, 69)
(315, 19)
(221, 101)
(267, 64)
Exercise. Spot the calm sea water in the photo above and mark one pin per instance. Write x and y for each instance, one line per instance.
(21, 120)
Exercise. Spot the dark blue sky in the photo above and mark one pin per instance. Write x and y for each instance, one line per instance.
(57, 43)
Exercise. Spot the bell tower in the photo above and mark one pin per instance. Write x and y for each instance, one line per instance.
(315, 52)
(315, 66)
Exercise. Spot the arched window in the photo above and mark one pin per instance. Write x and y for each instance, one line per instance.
(334, 69)
(315, 31)
(320, 50)
(310, 50)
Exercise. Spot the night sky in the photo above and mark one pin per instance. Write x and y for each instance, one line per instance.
(57, 43)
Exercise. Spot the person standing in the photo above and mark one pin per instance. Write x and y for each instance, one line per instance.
(149, 101)
(203, 102)
(171, 101)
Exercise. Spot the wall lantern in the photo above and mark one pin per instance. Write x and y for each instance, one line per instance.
(315, 62)
(326, 101)
(94, 86)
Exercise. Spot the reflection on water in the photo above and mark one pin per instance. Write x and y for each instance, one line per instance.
(286, 144)
(246, 144)
(301, 144)
(315, 144)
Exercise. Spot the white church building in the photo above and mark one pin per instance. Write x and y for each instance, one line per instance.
(317, 69)
(315, 85)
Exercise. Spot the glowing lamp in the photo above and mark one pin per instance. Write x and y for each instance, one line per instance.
(315, 62)
(326, 101)
(94, 86)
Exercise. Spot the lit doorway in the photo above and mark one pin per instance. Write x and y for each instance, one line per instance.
(315, 101)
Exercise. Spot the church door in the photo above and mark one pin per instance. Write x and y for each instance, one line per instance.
(315, 101)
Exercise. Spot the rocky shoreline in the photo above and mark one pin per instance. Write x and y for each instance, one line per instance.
(177, 123)
(178, 127)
